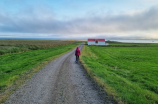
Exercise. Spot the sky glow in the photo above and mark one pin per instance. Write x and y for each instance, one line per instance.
(79, 19)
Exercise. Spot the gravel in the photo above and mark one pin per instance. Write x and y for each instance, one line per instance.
(62, 81)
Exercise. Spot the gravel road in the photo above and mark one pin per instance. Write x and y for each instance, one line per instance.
(62, 81)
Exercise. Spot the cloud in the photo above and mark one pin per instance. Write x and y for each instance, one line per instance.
(121, 23)
(43, 20)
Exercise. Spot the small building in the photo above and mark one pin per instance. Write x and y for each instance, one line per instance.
(91, 42)
(96, 42)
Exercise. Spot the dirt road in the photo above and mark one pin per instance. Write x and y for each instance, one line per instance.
(62, 81)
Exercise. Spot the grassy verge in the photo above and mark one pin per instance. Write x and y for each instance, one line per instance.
(129, 74)
(15, 68)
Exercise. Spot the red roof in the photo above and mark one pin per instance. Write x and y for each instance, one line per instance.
(100, 40)
(91, 39)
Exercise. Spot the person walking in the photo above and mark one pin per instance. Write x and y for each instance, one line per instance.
(77, 53)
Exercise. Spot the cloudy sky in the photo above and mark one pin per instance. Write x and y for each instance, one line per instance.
(79, 19)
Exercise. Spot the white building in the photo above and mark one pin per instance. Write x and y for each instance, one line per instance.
(96, 42)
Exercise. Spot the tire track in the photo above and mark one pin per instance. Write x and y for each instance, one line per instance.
(63, 89)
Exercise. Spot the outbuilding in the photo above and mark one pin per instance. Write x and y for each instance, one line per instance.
(96, 42)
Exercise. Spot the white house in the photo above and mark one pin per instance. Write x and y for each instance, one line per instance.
(96, 42)
(91, 42)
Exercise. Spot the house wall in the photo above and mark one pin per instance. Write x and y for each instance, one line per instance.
(91, 42)
(101, 43)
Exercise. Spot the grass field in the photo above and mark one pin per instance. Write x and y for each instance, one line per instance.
(126, 71)
(22, 45)
(19, 65)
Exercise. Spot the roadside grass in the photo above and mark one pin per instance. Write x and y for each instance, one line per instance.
(129, 74)
(17, 66)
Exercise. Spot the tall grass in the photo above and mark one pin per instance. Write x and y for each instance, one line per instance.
(17, 45)
(128, 73)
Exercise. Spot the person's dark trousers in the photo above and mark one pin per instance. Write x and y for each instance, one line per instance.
(77, 58)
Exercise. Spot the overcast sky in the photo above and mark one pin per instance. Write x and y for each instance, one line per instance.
(79, 19)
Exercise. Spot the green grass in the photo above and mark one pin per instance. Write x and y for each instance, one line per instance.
(19, 59)
(12, 65)
(128, 72)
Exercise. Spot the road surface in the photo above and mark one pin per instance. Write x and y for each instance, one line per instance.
(62, 81)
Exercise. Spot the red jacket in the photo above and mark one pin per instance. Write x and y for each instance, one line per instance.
(77, 52)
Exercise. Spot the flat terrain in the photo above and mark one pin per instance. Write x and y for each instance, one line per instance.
(62, 81)
(128, 71)
(28, 56)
